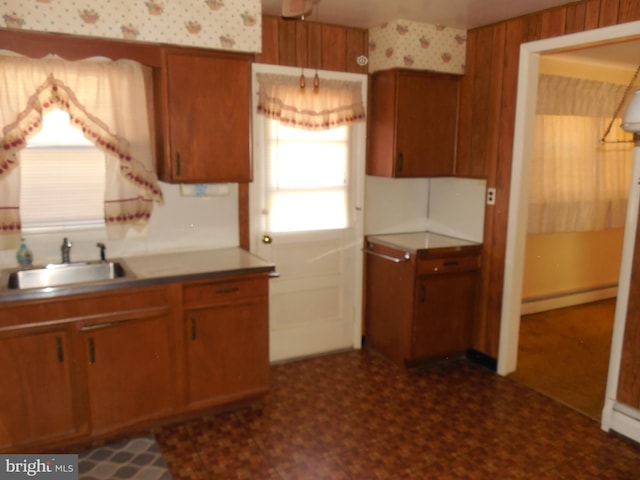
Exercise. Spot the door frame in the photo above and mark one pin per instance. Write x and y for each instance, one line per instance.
(518, 211)
(358, 149)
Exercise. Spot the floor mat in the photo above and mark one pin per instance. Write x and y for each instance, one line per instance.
(137, 459)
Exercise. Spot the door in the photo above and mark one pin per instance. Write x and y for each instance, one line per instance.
(227, 352)
(129, 370)
(308, 222)
(36, 371)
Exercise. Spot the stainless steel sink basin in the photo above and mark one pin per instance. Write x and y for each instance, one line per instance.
(65, 274)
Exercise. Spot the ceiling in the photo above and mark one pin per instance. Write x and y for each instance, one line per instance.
(462, 14)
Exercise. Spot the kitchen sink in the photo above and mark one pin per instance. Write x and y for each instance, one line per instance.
(65, 274)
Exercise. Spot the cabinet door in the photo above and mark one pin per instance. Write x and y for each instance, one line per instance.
(426, 129)
(413, 123)
(445, 306)
(209, 113)
(129, 371)
(37, 395)
(227, 352)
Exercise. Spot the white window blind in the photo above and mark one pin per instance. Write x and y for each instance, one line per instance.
(62, 179)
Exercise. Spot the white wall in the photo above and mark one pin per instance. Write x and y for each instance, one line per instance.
(182, 223)
(395, 205)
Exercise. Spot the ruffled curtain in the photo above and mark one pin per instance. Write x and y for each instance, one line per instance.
(106, 100)
(335, 103)
(577, 182)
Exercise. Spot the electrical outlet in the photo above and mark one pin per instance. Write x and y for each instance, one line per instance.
(491, 196)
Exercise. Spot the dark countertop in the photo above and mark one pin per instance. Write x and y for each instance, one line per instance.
(156, 269)
(417, 242)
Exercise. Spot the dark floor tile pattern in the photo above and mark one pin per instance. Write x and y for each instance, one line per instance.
(356, 416)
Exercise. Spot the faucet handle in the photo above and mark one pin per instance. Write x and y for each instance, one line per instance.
(66, 243)
(102, 248)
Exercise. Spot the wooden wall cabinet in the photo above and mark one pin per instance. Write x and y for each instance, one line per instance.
(207, 104)
(413, 123)
(423, 307)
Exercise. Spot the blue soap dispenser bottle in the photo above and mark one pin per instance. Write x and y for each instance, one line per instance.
(24, 255)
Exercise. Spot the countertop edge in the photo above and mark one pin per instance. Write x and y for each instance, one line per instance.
(456, 244)
(135, 280)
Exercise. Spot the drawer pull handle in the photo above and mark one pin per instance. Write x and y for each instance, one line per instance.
(227, 290)
(99, 326)
(194, 331)
(59, 350)
(451, 263)
(406, 257)
(423, 293)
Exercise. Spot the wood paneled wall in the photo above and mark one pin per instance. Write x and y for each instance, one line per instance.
(298, 43)
(487, 120)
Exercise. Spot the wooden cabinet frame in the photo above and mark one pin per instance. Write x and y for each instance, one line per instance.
(102, 333)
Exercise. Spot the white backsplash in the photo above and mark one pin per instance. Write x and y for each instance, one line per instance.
(395, 205)
(457, 207)
(448, 205)
(182, 223)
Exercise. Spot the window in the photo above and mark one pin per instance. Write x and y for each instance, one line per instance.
(62, 179)
(308, 172)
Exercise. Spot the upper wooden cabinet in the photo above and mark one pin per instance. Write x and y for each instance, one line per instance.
(413, 121)
(207, 100)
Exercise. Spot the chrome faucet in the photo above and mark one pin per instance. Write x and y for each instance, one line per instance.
(66, 250)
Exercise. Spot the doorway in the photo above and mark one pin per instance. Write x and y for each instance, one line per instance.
(516, 234)
(571, 267)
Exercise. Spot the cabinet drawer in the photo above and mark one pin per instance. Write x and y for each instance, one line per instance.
(437, 266)
(216, 292)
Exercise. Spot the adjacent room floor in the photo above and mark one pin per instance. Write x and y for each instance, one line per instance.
(564, 353)
(357, 416)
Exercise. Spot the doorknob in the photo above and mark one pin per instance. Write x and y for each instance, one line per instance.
(266, 239)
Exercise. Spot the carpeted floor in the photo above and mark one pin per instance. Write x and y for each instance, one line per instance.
(564, 354)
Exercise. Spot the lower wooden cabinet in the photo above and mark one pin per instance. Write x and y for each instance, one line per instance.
(227, 328)
(129, 365)
(227, 356)
(81, 367)
(38, 400)
(421, 307)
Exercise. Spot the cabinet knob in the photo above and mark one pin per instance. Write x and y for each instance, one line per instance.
(267, 239)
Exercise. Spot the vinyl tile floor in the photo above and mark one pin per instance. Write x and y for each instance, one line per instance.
(355, 415)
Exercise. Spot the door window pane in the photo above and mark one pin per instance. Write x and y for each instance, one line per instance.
(308, 175)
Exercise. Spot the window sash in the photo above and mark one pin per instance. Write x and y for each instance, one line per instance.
(61, 188)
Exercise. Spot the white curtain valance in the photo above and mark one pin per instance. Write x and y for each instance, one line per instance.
(578, 96)
(336, 103)
(106, 100)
